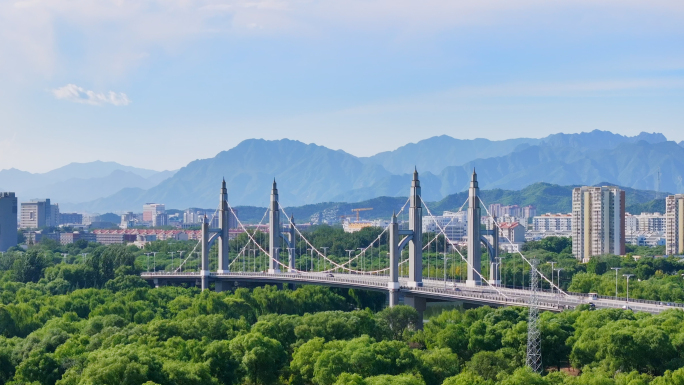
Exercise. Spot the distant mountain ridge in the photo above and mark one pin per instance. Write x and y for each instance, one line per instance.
(79, 182)
(310, 174)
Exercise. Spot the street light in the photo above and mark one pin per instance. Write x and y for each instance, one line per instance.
(616, 281)
(325, 253)
(628, 275)
(154, 260)
(499, 268)
(445, 266)
(350, 251)
(180, 260)
(363, 265)
(553, 263)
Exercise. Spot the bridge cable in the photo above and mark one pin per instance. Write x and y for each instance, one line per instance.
(462, 257)
(521, 254)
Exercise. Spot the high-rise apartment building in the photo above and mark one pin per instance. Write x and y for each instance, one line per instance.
(151, 210)
(598, 221)
(39, 213)
(674, 232)
(8, 220)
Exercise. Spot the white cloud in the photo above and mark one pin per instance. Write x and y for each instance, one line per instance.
(74, 93)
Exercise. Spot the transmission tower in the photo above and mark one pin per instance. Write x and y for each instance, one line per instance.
(534, 357)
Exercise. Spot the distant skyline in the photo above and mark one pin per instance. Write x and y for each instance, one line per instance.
(157, 84)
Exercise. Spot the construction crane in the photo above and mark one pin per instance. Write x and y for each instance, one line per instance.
(359, 210)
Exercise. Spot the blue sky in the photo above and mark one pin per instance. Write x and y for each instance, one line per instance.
(157, 84)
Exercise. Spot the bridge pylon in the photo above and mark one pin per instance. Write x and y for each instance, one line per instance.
(224, 231)
(394, 254)
(274, 231)
(474, 252)
(416, 233)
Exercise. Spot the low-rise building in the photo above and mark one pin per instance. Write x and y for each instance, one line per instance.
(70, 219)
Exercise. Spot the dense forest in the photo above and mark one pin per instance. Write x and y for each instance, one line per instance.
(80, 314)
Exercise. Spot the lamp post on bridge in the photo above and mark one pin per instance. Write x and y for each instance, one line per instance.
(444, 254)
(553, 263)
(172, 253)
(325, 253)
(362, 259)
(291, 250)
(154, 260)
(148, 261)
(350, 251)
(558, 270)
(180, 260)
(628, 276)
(616, 280)
(499, 269)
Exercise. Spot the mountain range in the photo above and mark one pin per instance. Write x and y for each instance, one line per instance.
(79, 182)
(308, 174)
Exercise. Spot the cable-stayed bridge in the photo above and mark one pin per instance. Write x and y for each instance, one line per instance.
(278, 257)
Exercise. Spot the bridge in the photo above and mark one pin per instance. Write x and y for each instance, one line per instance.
(390, 273)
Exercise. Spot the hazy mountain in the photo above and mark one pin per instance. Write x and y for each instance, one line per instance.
(439, 152)
(310, 174)
(96, 169)
(436, 153)
(681, 143)
(79, 182)
(306, 173)
(87, 189)
(629, 164)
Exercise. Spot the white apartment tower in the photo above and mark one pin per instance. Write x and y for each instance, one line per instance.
(598, 221)
(674, 232)
(8, 220)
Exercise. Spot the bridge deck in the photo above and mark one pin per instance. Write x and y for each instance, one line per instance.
(432, 289)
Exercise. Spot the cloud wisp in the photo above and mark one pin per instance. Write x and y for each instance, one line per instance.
(74, 93)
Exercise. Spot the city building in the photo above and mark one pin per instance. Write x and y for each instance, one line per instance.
(455, 229)
(160, 220)
(561, 223)
(193, 217)
(70, 219)
(641, 238)
(674, 232)
(350, 226)
(39, 213)
(513, 232)
(529, 212)
(8, 220)
(69, 238)
(598, 221)
(645, 222)
(151, 210)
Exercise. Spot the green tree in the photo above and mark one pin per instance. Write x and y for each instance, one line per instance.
(262, 357)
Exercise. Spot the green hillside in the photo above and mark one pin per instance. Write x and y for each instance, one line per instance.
(546, 197)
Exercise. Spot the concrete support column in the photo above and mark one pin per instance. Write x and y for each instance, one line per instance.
(220, 286)
(416, 243)
(274, 231)
(474, 252)
(418, 303)
(393, 284)
(204, 272)
(224, 231)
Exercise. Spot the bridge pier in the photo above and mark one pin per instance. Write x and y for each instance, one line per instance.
(220, 285)
(418, 303)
